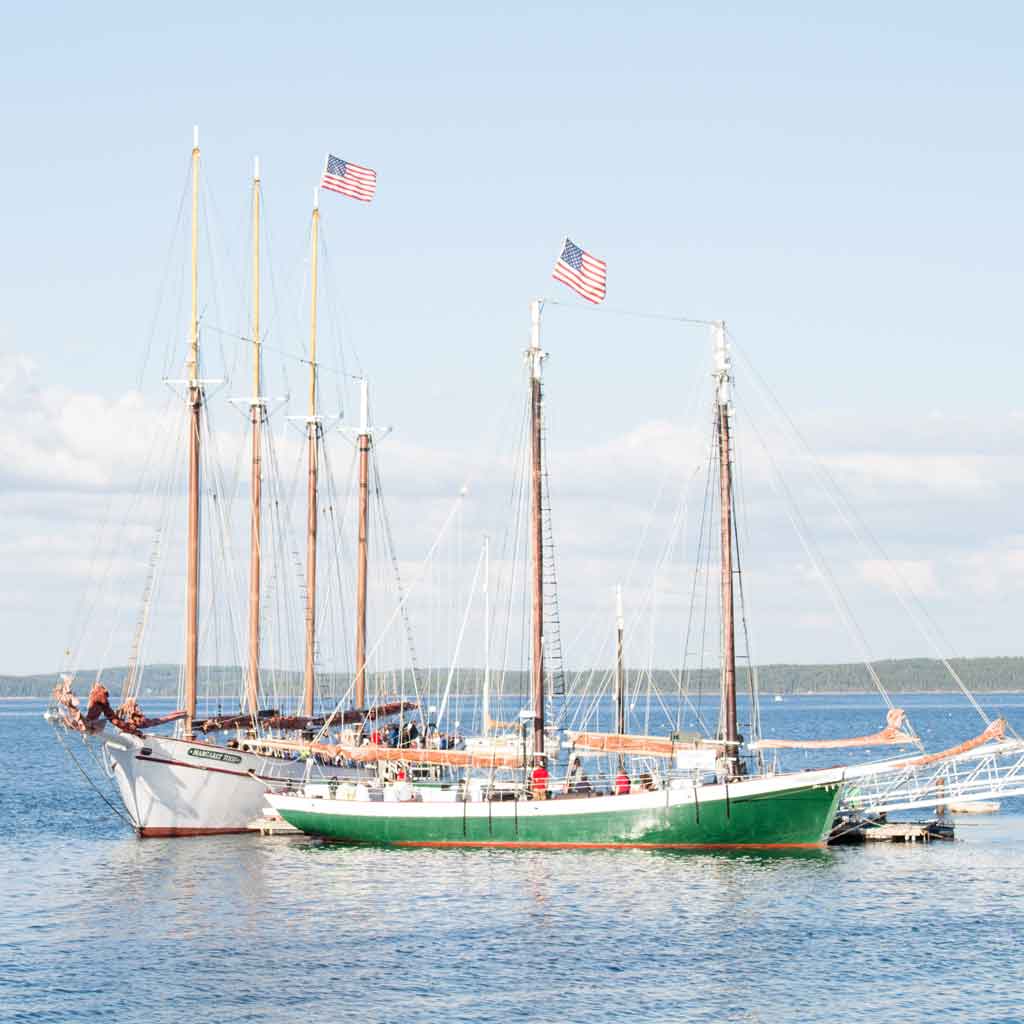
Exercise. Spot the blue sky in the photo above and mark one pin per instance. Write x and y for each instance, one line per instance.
(842, 186)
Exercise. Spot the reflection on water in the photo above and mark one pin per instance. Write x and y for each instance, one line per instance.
(96, 925)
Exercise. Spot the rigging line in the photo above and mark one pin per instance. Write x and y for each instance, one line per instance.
(336, 320)
(162, 529)
(458, 643)
(338, 327)
(165, 276)
(684, 673)
(405, 598)
(85, 775)
(831, 586)
(862, 532)
(755, 711)
(389, 545)
(171, 469)
(634, 314)
(304, 360)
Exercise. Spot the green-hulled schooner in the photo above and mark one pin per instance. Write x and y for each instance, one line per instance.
(498, 791)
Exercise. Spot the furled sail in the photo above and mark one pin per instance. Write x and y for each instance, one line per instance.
(996, 730)
(366, 752)
(127, 718)
(892, 734)
(626, 743)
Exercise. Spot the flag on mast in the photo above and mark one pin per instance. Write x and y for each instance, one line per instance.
(586, 275)
(349, 179)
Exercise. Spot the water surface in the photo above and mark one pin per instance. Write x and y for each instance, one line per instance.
(97, 925)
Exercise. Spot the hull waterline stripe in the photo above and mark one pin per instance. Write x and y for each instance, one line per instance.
(183, 833)
(540, 845)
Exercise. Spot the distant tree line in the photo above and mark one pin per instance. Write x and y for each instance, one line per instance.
(907, 675)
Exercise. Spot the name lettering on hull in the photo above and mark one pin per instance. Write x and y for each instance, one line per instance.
(214, 755)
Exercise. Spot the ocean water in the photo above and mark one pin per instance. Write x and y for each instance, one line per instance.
(96, 925)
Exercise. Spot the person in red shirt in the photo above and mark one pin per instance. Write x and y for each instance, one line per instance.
(622, 783)
(539, 782)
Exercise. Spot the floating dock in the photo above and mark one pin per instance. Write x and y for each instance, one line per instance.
(272, 825)
(852, 830)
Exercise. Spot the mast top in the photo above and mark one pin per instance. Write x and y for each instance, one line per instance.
(255, 168)
(316, 199)
(722, 364)
(535, 356)
(364, 406)
(195, 136)
(619, 617)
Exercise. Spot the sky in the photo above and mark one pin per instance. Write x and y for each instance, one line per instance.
(841, 186)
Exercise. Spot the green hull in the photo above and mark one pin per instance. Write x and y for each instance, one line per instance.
(788, 817)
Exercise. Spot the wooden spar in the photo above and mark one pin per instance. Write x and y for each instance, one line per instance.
(195, 401)
(363, 442)
(620, 670)
(723, 406)
(313, 436)
(536, 357)
(256, 416)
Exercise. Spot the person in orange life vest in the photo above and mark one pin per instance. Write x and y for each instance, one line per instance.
(539, 782)
(622, 783)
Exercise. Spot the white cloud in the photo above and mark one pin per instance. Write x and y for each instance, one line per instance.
(919, 575)
(943, 506)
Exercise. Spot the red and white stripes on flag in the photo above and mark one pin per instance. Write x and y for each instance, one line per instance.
(349, 179)
(586, 275)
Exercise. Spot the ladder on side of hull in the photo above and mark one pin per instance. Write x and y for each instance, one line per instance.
(990, 772)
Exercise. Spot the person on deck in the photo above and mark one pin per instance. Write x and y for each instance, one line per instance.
(539, 782)
(622, 783)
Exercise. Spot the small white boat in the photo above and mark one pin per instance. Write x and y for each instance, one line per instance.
(975, 807)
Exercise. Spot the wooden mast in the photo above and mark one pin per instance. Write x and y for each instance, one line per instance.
(620, 669)
(536, 358)
(195, 401)
(723, 408)
(256, 416)
(313, 436)
(363, 443)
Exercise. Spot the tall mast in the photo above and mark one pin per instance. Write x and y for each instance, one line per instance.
(535, 359)
(256, 417)
(620, 668)
(313, 436)
(487, 636)
(723, 408)
(195, 401)
(363, 444)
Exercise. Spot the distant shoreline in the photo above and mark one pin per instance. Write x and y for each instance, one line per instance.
(952, 692)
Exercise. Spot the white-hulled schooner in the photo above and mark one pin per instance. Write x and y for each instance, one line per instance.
(187, 783)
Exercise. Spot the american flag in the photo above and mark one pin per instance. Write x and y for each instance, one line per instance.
(584, 274)
(349, 179)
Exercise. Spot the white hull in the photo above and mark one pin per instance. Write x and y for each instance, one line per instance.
(175, 787)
